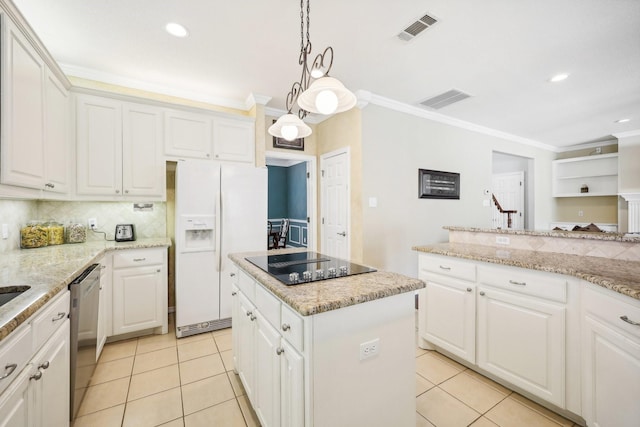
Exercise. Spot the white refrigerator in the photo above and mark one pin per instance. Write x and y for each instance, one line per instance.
(219, 209)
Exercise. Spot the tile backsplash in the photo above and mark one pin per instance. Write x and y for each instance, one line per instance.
(151, 223)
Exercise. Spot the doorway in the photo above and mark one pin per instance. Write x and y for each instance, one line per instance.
(512, 185)
(292, 196)
(336, 203)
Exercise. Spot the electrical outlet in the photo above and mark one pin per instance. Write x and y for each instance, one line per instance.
(502, 240)
(5, 231)
(369, 349)
(93, 223)
(580, 213)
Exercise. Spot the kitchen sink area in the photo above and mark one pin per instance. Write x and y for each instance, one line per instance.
(7, 293)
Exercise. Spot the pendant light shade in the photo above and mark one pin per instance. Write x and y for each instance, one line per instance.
(327, 95)
(289, 127)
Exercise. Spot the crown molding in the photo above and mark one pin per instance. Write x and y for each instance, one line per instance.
(109, 78)
(256, 99)
(365, 98)
(627, 134)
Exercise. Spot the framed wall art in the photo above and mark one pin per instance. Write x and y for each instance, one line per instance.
(434, 184)
(296, 144)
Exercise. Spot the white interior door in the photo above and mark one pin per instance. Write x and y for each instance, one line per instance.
(509, 191)
(335, 204)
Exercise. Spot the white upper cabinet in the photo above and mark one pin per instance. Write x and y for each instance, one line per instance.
(56, 135)
(22, 110)
(35, 117)
(187, 134)
(118, 149)
(233, 140)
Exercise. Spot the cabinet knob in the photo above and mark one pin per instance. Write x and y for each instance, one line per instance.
(10, 367)
(232, 274)
(36, 376)
(208, 155)
(126, 191)
(469, 289)
(117, 191)
(286, 327)
(279, 351)
(233, 294)
(252, 318)
(44, 365)
(482, 293)
(249, 313)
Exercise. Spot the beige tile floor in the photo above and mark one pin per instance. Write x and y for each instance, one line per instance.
(162, 381)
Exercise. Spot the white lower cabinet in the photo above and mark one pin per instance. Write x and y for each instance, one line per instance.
(509, 322)
(521, 340)
(269, 367)
(611, 359)
(39, 392)
(139, 298)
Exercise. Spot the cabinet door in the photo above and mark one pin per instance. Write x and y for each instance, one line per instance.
(451, 316)
(15, 406)
(611, 375)
(267, 391)
(142, 165)
(56, 135)
(51, 390)
(23, 155)
(233, 140)
(246, 346)
(292, 386)
(99, 146)
(521, 339)
(137, 299)
(187, 135)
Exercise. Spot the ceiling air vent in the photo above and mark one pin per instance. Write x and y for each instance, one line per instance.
(444, 99)
(417, 27)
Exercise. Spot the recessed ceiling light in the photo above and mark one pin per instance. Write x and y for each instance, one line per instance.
(622, 120)
(558, 78)
(176, 30)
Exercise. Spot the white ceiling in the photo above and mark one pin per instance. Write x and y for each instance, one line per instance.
(500, 51)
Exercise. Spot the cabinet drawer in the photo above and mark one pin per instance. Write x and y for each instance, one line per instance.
(138, 257)
(47, 322)
(611, 308)
(268, 305)
(15, 352)
(247, 285)
(448, 266)
(544, 285)
(292, 327)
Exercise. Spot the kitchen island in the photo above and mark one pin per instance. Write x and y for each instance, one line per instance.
(333, 352)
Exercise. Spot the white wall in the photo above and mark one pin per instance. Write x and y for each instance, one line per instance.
(394, 146)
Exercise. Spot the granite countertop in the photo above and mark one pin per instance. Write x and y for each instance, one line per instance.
(618, 275)
(618, 237)
(49, 270)
(332, 294)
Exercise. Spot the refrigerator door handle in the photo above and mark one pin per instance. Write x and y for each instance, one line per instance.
(219, 216)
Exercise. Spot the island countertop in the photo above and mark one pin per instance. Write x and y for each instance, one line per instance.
(331, 294)
(48, 271)
(622, 276)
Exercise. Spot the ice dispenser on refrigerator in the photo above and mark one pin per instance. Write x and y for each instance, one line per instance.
(198, 233)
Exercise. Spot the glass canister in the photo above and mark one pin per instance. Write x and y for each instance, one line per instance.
(56, 232)
(34, 234)
(75, 232)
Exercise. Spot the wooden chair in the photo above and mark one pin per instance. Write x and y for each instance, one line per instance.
(281, 241)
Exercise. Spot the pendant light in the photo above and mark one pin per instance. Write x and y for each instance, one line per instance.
(316, 92)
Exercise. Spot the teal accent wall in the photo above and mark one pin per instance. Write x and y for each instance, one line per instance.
(278, 199)
(297, 191)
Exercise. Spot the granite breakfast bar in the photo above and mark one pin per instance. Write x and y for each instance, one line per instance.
(326, 353)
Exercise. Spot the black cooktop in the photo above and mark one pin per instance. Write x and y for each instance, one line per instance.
(305, 267)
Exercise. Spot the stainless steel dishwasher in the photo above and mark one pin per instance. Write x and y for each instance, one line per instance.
(83, 314)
